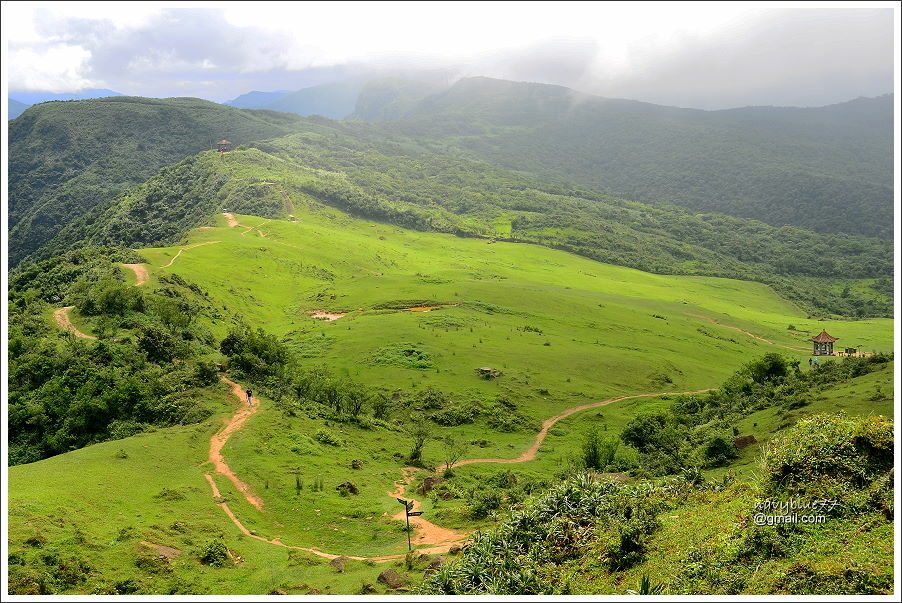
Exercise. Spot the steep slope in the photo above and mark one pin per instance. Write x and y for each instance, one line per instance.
(66, 157)
(389, 99)
(826, 169)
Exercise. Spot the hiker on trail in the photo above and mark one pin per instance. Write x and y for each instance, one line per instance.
(250, 398)
(810, 362)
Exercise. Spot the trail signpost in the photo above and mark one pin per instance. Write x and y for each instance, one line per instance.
(408, 505)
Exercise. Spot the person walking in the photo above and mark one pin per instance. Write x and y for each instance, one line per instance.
(250, 398)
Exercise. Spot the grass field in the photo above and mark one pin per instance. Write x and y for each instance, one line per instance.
(563, 330)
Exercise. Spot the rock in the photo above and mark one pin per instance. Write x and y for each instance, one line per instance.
(356, 464)
(314, 591)
(437, 562)
(339, 564)
(743, 441)
(391, 578)
(454, 550)
(429, 483)
(368, 589)
(347, 488)
(487, 372)
(446, 495)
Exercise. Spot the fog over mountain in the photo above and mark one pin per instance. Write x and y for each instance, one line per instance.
(709, 56)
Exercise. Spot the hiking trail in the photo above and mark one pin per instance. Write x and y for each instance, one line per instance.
(140, 271)
(425, 531)
(62, 319)
(181, 249)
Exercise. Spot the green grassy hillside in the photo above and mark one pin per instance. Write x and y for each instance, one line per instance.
(67, 157)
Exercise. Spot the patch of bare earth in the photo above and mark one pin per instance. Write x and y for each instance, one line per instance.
(62, 319)
(140, 271)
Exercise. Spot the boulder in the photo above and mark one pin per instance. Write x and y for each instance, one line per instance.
(429, 483)
(346, 488)
(391, 578)
(339, 564)
(743, 441)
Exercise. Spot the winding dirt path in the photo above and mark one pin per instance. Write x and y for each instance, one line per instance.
(62, 319)
(426, 532)
(219, 440)
(230, 219)
(181, 249)
(530, 453)
(140, 271)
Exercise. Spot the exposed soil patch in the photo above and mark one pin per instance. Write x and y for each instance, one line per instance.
(230, 219)
(62, 319)
(163, 550)
(327, 316)
(140, 271)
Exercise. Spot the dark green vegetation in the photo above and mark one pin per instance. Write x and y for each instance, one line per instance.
(66, 157)
(148, 368)
(688, 535)
(351, 168)
(699, 430)
(826, 169)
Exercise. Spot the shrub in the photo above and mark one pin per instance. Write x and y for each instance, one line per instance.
(214, 553)
(828, 455)
(328, 437)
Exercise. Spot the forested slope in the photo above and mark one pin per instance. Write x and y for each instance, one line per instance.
(66, 157)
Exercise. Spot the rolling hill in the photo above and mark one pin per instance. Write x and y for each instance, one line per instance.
(65, 157)
(826, 169)
(420, 311)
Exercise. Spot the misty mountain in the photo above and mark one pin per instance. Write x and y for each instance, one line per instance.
(15, 108)
(256, 99)
(827, 169)
(66, 157)
(335, 101)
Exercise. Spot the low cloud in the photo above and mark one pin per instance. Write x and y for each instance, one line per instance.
(779, 56)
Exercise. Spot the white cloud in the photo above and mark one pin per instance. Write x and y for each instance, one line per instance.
(56, 68)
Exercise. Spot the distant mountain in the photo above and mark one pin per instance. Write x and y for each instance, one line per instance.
(335, 101)
(66, 157)
(828, 169)
(15, 108)
(256, 99)
(391, 98)
(33, 98)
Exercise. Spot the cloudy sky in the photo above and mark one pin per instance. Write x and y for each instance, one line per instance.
(705, 55)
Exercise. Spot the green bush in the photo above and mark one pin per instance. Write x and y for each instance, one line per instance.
(328, 437)
(214, 553)
(829, 455)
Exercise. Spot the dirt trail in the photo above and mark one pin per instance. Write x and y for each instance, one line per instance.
(140, 271)
(426, 532)
(219, 440)
(530, 453)
(744, 332)
(62, 319)
(181, 249)
(720, 324)
(230, 219)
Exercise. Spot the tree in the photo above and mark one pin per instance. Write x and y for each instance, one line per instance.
(420, 430)
(453, 451)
